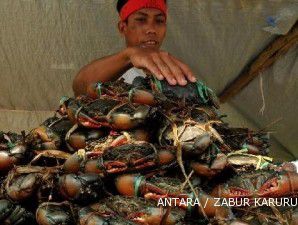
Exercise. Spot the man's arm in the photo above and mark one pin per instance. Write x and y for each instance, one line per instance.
(101, 70)
(160, 63)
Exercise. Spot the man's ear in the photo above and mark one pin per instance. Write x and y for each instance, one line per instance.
(122, 27)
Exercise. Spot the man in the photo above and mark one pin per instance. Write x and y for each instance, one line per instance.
(143, 25)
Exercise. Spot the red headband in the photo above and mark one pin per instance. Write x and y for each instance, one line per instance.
(134, 5)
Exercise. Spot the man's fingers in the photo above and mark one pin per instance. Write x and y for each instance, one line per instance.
(165, 70)
(153, 68)
(175, 69)
(185, 69)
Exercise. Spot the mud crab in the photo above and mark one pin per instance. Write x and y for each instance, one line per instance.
(51, 213)
(50, 134)
(243, 138)
(214, 160)
(124, 158)
(262, 184)
(83, 188)
(23, 183)
(150, 91)
(105, 113)
(153, 92)
(157, 188)
(114, 139)
(193, 137)
(80, 138)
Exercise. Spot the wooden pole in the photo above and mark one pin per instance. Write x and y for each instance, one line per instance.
(267, 57)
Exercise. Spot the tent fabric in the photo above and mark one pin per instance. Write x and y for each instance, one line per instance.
(43, 44)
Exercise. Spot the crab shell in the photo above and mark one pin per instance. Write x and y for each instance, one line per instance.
(209, 171)
(23, 187)
(51, 213)
(83, 188)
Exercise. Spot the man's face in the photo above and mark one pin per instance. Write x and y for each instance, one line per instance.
(145, 28)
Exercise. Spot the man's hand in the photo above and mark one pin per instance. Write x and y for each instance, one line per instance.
(161, 64)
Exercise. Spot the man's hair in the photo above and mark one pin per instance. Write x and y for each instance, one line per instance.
(121, 3)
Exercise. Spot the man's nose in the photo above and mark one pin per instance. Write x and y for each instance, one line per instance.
(150, 28)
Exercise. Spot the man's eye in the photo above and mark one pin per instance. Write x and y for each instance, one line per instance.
(160, 20)
(141, 19)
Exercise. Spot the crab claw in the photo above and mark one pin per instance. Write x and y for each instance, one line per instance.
(201, 143)
(6, 162)
(115, 167)
(12, 157)
(142, 97)
(90, 123)
(165, 157)
(72, 164)
(282, 185)
(125, 184)
(203, 169)
(93, 90)
(125, 117)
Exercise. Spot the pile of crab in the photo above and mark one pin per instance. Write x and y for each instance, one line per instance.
(144, 153)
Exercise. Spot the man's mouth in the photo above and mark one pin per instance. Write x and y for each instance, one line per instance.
(150, 43)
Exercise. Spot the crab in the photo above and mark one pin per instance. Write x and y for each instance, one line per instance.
(52, 213)
(125, 158)
(157, 188)
(243, 138)
(262, 184)
(82, 188)
(105, 112)
(25, 182)
(50, 134)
